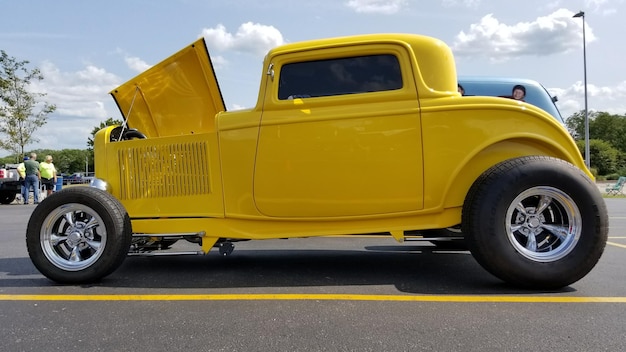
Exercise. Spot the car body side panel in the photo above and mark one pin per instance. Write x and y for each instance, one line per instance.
(343, 155)
(238, 135)
(163, 177)
(265, 228)
(468, 135)
(315, 167)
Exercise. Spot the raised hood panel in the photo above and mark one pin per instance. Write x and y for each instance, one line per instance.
(177, 96)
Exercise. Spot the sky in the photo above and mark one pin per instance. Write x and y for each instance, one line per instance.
(85, 49)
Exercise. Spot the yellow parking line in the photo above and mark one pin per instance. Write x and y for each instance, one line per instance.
(316, 297)
(616, 244)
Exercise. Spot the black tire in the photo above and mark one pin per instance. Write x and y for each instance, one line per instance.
(124, 134)
(535, 222)
(7, 197)
(78, 235)
(132, 133)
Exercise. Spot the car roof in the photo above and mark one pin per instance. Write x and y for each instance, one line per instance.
(536, 93)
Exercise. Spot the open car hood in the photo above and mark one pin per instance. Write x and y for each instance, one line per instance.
(177, 96)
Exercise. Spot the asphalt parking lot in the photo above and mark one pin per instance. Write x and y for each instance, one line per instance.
(318, 294)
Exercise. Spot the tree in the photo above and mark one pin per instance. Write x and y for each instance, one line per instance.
(69, 161)
(604, 157)
(18, 116)
(602, 125)
(607, 144)
(610, 128)
(109, 122)
(576, 124)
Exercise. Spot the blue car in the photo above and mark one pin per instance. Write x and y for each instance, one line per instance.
(536, 94)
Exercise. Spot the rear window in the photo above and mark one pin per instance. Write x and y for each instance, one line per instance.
(536, 94)
(351, 75)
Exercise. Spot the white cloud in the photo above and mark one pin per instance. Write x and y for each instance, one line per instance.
(218, 62)
(606, 99)
(603, 7)
(466, 3)
(553, 5)
(237, 107)
(386, 7)
(136, 64)
(61, 135)
(552, 34)
(250, 37)
(595, 4)
(82, 102)
(80, 93)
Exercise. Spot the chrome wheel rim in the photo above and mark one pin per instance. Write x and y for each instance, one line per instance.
(543, 224)
(73, 237)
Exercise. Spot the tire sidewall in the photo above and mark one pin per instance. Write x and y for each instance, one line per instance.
(114, 219)
(485, 222)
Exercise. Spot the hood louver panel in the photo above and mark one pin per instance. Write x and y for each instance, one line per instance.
(168, 170)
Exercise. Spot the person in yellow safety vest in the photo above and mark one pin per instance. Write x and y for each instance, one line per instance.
(21, 170)
(48, 174)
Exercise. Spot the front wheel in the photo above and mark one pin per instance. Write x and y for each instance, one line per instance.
(78, 235)
(535, 222)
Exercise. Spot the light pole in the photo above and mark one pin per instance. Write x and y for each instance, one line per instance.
(587, 154)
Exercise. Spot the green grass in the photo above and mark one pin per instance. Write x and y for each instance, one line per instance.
(621, 195)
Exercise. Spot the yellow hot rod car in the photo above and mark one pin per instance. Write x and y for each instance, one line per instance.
(350, 135)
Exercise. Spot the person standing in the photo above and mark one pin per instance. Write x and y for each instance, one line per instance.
(32, 178)
(48, 174)
(21, 170)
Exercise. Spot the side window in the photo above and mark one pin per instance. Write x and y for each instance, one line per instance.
(351, 75)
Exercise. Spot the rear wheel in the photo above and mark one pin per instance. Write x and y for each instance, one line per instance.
(78, 235)
(535, 222)
(7, 197)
